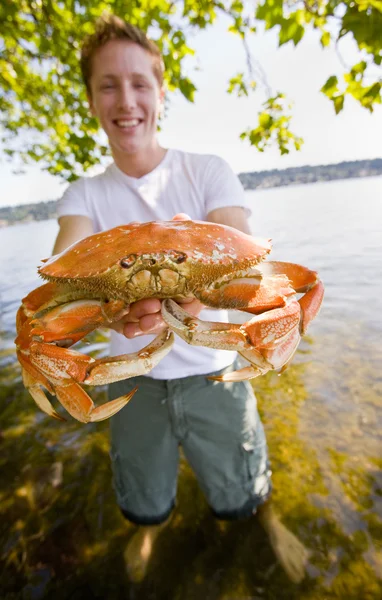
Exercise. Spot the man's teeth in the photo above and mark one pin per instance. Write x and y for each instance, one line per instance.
(127, 123)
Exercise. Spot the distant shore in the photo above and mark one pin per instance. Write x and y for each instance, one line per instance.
(311, 174)
(40, 211)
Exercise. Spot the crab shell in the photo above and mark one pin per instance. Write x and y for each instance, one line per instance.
(157, 259)
(92, 283)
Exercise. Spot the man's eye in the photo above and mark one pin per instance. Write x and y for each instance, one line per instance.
(107, 86)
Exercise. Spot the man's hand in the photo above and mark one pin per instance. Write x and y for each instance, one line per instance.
(144, 317)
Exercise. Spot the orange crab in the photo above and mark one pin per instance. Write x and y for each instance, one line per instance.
(92, 282)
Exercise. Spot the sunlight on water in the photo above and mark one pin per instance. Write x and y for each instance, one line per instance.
(61, 533)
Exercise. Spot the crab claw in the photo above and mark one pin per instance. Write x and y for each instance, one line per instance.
(268, 341)
(264, 360)
(39, 396)
(79, 404)
(244, 374)
(116, 368)
(226, 336)
(74, 399)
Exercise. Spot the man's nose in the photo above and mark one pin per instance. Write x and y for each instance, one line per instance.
(126, 97)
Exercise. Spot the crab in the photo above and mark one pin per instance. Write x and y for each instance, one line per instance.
(92, 283)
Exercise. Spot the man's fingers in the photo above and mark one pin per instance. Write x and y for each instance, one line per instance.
(149, 324)
(148, 306)
(181, 217)
(191, 305)
(118, 326)
(131, 330)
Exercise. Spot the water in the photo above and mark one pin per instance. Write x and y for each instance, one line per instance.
(63, 536)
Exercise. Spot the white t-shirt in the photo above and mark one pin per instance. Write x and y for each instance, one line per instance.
(185, 182)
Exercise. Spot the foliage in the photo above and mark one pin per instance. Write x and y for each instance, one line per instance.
(43, 108)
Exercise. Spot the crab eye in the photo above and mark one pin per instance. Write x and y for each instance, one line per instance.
(128, 261)
(177, 257)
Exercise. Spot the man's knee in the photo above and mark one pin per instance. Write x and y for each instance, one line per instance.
(239, 503)
(160, 516)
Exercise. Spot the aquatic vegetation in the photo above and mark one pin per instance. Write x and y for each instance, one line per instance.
(62, 535)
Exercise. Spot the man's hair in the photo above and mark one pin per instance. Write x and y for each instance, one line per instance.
(109, 27)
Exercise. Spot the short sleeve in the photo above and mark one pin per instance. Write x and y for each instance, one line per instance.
(74, 201)
(222, 187)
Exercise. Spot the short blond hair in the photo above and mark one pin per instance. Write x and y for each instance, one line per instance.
(110, 27)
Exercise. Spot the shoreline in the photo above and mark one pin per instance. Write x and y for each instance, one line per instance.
(256, 180)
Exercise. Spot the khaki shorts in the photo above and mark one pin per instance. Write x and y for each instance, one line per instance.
(222, 437)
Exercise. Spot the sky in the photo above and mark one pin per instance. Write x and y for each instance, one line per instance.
(213, 123)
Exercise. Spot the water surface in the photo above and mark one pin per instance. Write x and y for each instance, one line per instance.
(61, 534)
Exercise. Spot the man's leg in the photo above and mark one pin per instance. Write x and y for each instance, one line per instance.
(227, 449)
(139, 550)
(291, 553)
(144, 454)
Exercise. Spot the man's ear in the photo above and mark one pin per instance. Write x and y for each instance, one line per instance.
(162, 96)
(91, 105)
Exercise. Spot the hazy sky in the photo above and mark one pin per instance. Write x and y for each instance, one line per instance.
(213, 123)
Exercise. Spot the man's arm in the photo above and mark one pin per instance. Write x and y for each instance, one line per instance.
(72, 229)
(233, 216)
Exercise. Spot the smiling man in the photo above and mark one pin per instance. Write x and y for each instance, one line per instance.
(217, 424)
(125, 91)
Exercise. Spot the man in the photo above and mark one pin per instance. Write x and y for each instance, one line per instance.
(217, 424)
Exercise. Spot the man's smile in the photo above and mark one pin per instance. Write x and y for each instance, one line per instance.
(127, 123)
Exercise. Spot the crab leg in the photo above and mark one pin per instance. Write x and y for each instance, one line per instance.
(65, 369)
(42, 346)
(255, 294)
(79, 404)
(266, 360)
(194, 331)
(75, 400)
(268, 340)
(262, 331)
(44, 296)
(304, 281)
(70, 322)
(33, 387)
(124, 366)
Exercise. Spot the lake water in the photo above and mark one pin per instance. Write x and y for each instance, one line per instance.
(322, 416)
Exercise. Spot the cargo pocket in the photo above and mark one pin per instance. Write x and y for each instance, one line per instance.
(254, 459)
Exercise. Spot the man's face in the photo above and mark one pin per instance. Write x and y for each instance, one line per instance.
(125, 96)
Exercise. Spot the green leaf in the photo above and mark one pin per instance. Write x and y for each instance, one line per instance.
(330, 87)
(44, 115)
(325, 39)
(265, 120)
(237, 84)
(359, 68)
(271, 12)
(374, 92)
(291, 31)
(338, 102)
(187, 88)
(273, 127)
